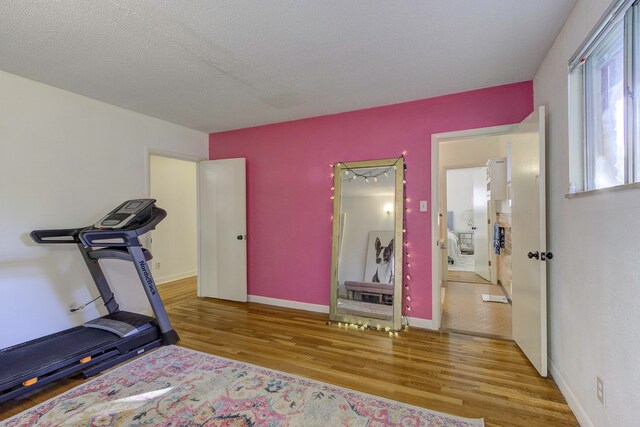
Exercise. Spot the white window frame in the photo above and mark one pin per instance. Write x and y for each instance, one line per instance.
(579, 147)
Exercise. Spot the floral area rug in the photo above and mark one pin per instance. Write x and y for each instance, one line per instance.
(174, 386)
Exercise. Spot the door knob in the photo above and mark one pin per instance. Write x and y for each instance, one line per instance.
(535, 255)
(240, 237)
(545, 256)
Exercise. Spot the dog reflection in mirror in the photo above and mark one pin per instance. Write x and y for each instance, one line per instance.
(384, 261)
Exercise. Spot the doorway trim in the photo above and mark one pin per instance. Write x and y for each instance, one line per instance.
(151, 151)
(436, 264)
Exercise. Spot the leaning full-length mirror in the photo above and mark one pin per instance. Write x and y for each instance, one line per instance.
(366, 274)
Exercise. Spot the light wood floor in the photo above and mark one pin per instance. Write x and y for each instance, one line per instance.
(465, 276)
(458, 374)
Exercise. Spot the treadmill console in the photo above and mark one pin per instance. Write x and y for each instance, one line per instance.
(124, 214)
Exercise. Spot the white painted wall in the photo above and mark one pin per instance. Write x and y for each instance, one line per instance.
(465, 153)
(174, 248)
(364, 214)
(459, 154)
(66, 160)
(594, 278)
(460, 196)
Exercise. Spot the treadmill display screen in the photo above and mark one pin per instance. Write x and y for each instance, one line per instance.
(114, 219)
(126, 213)
(117, 217)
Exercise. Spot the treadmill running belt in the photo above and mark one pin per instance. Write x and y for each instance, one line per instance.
(50, 350)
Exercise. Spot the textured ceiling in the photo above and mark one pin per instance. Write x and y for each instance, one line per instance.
(219, 65)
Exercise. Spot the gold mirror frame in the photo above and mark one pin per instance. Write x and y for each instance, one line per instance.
(396, 323)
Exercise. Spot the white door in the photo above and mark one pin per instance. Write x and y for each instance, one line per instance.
(528, 236)
(222, 263)
(480, 218)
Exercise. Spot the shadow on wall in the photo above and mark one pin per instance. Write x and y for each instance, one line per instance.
(62, 286)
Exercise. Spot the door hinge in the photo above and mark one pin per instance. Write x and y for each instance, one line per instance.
(489, 221)
(489, 263)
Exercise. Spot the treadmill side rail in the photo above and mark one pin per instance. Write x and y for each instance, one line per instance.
(31, 359)
(169, 335)
(121, 329)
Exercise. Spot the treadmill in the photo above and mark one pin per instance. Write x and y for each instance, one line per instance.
(111, 339)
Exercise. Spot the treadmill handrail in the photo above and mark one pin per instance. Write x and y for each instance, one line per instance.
(98, 237)
(58, 236)
(129, 237)
(116, 253)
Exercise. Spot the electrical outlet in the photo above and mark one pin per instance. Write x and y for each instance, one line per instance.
(73, 308)
(423, 205)
(157, 265)
(600, 389)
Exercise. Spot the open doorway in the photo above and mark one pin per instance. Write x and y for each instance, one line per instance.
(200, 249)
(461, 245)
(174, 244)
(474, 203)
(516, 225)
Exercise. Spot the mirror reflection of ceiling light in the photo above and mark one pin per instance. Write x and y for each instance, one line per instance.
(388, 208)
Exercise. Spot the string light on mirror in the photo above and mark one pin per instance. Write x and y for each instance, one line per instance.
(406, 252)
(369, 175)
(365, 327)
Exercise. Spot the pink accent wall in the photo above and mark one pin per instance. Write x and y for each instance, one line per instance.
(289, 182)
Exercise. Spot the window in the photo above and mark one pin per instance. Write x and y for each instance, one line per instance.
(604, 113)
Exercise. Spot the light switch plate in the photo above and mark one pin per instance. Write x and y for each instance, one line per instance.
(423, 205)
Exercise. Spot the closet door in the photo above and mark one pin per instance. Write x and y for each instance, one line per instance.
(222, 205)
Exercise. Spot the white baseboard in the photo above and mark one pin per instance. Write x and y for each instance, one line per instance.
(570, 397)
(171, 277)
(318, 308)
(417, 322)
